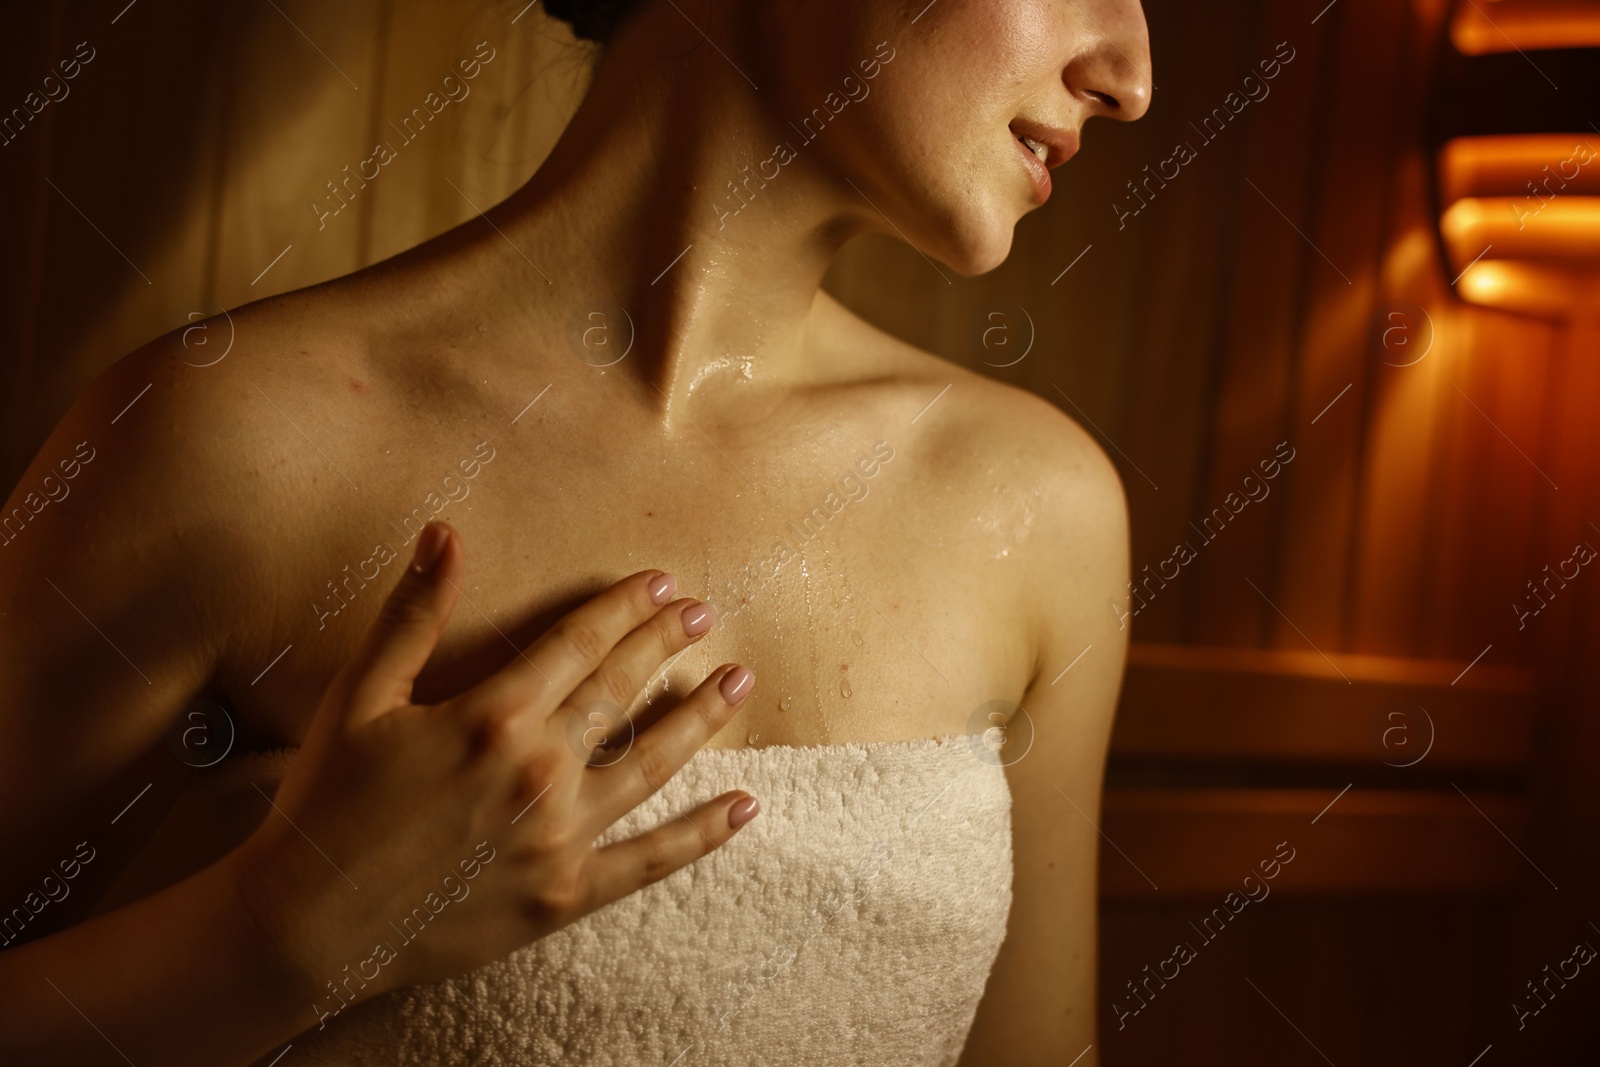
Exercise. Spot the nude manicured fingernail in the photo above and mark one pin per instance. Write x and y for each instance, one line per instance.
(430, 546)
(735, 685)
(697, 618)
(743, 812)
(661, 588)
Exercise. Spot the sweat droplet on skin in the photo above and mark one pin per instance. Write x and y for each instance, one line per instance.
(811, 646)
(777, 636)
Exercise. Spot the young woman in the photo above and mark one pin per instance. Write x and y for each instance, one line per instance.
(286, 760)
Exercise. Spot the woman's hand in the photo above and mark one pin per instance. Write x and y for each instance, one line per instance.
(410, 843)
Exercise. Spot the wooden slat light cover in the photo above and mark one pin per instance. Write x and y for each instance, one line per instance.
(1527, 25)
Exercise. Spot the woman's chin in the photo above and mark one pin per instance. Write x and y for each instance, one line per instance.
(981, 250)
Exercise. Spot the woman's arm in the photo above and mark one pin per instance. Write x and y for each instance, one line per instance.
(182, 977)
(102, 642)
(383, 797)
(104, 636)
(1039, 1006)
(385, 802)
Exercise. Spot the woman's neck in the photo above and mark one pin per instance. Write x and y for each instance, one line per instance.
(660, 197)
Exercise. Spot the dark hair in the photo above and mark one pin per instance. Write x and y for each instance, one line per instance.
(591, 20)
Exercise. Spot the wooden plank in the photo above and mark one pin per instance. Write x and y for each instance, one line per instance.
(30, 48)
(1316, 537)
(1526, 26)
(1196, 704)
(1563, 233)
(1182, 246)
(1282, 174)
(1573, 451)
(1406, 355)
(487, 140)
(1494, 483)
(123, 258)
(300, 113)
(1391, 669)
(1203, 842)
(1504, 164)
(1375, 981)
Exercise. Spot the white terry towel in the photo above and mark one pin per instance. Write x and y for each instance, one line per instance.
(853, 922)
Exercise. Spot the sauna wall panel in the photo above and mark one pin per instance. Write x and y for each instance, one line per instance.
(1287, 286)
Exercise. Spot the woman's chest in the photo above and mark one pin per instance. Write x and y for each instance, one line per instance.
(864, 608)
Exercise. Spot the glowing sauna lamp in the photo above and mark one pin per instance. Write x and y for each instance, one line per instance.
(1535, 249)
(1519, 212)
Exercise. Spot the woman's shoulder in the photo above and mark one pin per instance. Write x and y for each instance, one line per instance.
(207, 442)
(1008, 485)
(219, 392)
(979, 432)
(145, 511)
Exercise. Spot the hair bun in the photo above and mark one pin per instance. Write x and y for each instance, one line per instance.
(591, 20)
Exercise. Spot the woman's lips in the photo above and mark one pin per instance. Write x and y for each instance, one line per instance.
(1037, 171)
(1059, 143)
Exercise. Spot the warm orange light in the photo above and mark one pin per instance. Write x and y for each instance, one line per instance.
(1540, 164)
(1561, 228)
(1521, 221)
(1526, 25)
(1484, 282)
(1532, 288)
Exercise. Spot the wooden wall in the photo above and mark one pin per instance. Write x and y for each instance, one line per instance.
(1280, 289)
(189, 151)
(1287, 287)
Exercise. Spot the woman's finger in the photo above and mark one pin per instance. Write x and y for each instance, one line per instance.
(397, 645)
(579, 642)
(608, 693)
(655, 755)
(617, 870)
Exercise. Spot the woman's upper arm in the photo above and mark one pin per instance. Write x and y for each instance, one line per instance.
(1039, 1005)
(102, 642)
